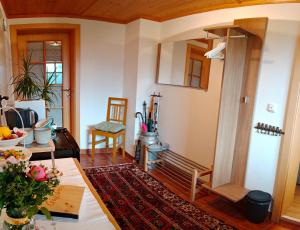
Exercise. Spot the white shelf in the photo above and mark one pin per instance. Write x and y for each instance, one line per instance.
(36, 148)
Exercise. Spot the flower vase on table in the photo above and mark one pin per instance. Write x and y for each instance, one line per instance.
(23, 189)
(16, 219)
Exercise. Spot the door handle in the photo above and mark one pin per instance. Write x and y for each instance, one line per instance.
(246, 100)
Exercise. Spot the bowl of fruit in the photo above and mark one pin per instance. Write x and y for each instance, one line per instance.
(11, 137)
(13, 153)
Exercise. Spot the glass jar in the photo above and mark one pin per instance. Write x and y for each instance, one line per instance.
(17, 219)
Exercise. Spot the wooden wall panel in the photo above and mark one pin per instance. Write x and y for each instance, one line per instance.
(229, 108)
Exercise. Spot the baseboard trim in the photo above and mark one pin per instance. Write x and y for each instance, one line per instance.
(102, 150)
(290, 219)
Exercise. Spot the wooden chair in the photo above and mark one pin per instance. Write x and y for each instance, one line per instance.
(113, 127)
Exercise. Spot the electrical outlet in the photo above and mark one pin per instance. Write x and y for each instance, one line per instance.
(272, 108)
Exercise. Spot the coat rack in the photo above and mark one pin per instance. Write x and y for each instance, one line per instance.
(268, 129)
(240, 77)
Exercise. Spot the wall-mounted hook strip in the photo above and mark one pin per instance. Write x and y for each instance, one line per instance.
(155, 95)
(268, 129)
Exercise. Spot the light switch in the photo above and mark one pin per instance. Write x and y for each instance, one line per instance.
(272, 108)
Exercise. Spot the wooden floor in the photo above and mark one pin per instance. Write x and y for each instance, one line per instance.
(212, 203)
(293, 211)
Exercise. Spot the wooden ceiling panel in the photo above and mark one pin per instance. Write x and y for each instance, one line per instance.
(121, 11)
(36, 8)
(127, 10)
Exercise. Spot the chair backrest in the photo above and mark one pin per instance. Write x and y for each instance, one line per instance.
(117, 110)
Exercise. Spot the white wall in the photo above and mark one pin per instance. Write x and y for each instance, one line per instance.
(185, 114)
(178, 63)
(130, 80)
(166, 62)
(140, 56)
(149, 35)
(288, 11)
(188, 117)
(273, 85)
(5, 67)
(101, 67)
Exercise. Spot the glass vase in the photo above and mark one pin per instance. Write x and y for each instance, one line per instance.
(17, 219)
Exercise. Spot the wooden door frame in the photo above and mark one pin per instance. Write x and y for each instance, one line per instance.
(205, 68)
(286, 156)
(74, 33)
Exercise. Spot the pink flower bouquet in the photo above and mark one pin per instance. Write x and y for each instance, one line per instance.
(23, 189)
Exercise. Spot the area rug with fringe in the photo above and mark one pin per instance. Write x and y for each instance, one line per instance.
(138, 201)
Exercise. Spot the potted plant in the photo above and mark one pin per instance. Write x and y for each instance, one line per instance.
(23, 189)
(27, 83)
(47, 92)
(33, 91)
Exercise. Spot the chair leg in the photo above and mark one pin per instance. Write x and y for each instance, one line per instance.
(93, 144)
(123, 146)
(114, 150)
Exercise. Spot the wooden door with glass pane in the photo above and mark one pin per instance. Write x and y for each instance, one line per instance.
(50, 55)
(197, 66)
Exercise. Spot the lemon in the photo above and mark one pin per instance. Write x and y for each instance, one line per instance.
(5, 132)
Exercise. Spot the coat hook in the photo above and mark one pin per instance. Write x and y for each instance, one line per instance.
(268, 129)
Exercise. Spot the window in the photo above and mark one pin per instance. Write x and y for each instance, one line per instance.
(46, 58)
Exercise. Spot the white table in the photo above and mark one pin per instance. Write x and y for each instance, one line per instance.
(93, 213)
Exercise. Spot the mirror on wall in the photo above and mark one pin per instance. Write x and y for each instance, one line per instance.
(182, 63)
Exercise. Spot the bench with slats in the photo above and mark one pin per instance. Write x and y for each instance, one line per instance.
(178, 169)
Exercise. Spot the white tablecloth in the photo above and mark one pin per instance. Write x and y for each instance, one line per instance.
(91, 214)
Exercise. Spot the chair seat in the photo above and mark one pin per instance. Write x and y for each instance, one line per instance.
(110, 127)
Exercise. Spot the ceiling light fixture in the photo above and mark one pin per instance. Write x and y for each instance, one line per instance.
(55, 43)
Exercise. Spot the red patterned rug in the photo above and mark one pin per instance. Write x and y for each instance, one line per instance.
(138, 201)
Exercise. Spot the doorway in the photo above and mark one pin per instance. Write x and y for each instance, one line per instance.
(50, 55)
(293, 211)
(54, 50)
(286, 191)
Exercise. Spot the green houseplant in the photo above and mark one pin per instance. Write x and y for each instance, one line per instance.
(29, 86)
(47, 92)
(27, 83)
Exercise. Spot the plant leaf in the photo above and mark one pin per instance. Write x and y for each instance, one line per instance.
(46, 212)
(26, 84)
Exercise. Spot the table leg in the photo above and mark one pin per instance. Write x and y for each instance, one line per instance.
(53, 160)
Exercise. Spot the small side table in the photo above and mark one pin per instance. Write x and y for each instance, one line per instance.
(37, 148)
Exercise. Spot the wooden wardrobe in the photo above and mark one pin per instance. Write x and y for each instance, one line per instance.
(244, 43)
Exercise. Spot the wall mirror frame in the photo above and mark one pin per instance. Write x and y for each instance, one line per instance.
(182, 63)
